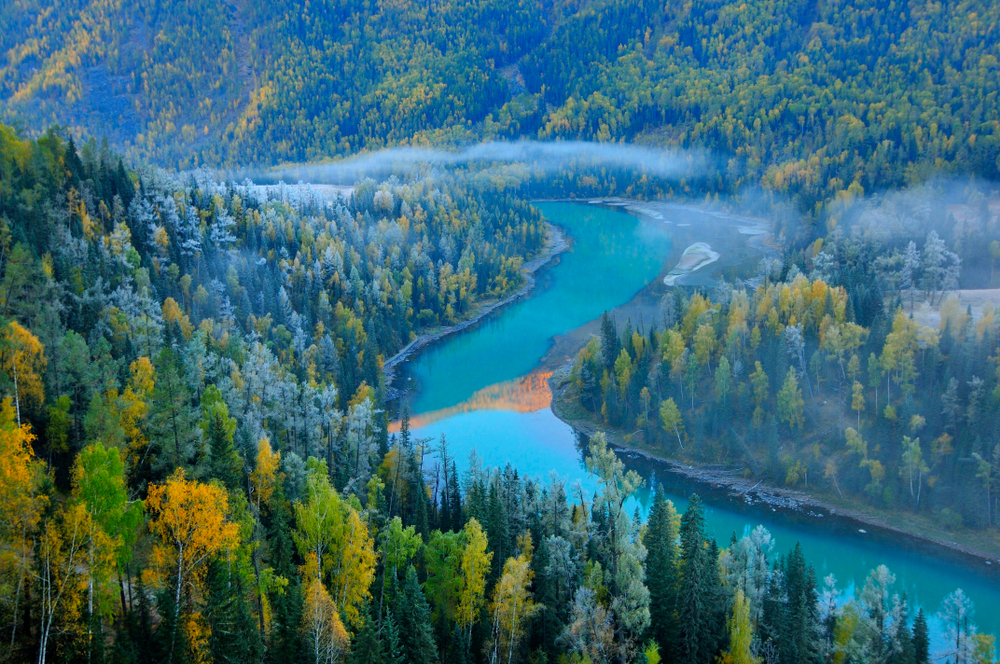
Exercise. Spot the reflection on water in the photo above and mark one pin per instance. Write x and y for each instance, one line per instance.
(523, 395)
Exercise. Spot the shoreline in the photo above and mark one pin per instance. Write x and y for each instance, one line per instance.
(743, 494)
(752, 492)
(554, 245)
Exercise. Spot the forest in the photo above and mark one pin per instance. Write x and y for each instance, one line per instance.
(201, 460)
(817, 101)
(195, 463)
(824, 378)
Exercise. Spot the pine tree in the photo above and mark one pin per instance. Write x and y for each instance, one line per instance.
(416, 633)
(218, 428)
(367, 647)
(286, 639)
(921, 639)
(693, 610)
(234, 637)
(610, 345)
(797, 633)
(661, 570)
(172, 422)
(455, 498)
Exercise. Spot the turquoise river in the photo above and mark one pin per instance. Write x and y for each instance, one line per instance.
(486, 389)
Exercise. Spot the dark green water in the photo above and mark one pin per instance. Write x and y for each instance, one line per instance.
(468, 388)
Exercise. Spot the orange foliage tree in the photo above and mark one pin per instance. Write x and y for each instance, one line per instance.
(189, 517)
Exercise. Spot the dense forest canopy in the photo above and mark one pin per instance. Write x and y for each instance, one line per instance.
(816, 100)
(195, 463)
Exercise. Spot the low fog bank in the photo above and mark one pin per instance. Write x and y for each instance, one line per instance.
(539, 157)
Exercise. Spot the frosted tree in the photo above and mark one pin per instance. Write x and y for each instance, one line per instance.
(956, 613)
(908, 271)
(362, 445)
(941, 267)
(749, 566)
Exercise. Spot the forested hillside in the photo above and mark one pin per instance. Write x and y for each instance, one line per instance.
(818, 100)
(825, 379)
(195, 464)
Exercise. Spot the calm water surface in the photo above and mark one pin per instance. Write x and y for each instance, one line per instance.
(481, 388)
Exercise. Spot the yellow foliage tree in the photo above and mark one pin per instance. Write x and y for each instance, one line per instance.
(21, 506)
(172, 313)
(189, 517)
(23, 359)
(740, 633)
(265, 474)
(512, 605)
(63, 571)
(333, 531)
(324, 631)
(475, 566)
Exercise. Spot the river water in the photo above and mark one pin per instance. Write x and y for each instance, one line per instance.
(486, 389)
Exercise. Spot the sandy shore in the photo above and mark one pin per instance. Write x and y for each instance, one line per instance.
(695, 257)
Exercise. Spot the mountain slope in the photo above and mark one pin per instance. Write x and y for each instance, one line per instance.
(816, 99)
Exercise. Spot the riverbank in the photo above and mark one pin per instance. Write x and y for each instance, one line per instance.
(978, 549)
(555, 244)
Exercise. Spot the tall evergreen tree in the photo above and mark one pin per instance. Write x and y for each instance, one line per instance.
(797, 631)
(416, 632)
(694, 606)
(661, 571)
(921, 639)
(234, 636)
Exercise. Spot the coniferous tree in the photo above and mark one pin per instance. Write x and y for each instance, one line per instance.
(234, 636)
(797, 632)
(218, 428)
(416, 632)
(367, 647)
(661, 571)
(921, 639)
(695, 620)
(172, 421)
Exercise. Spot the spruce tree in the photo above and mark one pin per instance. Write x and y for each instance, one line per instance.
(797, 628)
(392, 647)
(218, 428)
(286, 638)
(366, 647)
(921, 639)
(416, 633)
(610, 345)
(661, 571)
(693, 616)
(234, 636)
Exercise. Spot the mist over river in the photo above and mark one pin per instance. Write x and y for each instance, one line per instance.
(487, 389)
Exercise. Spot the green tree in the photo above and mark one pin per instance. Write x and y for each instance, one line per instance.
(740, 633)
(234, 638)
(99, 482)
(416, 635)
(697, 606)
(790, 403)
(921, 639)
(670, 419)
(218, 429)
(723, 381)
(662, 572)
(172, 422)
